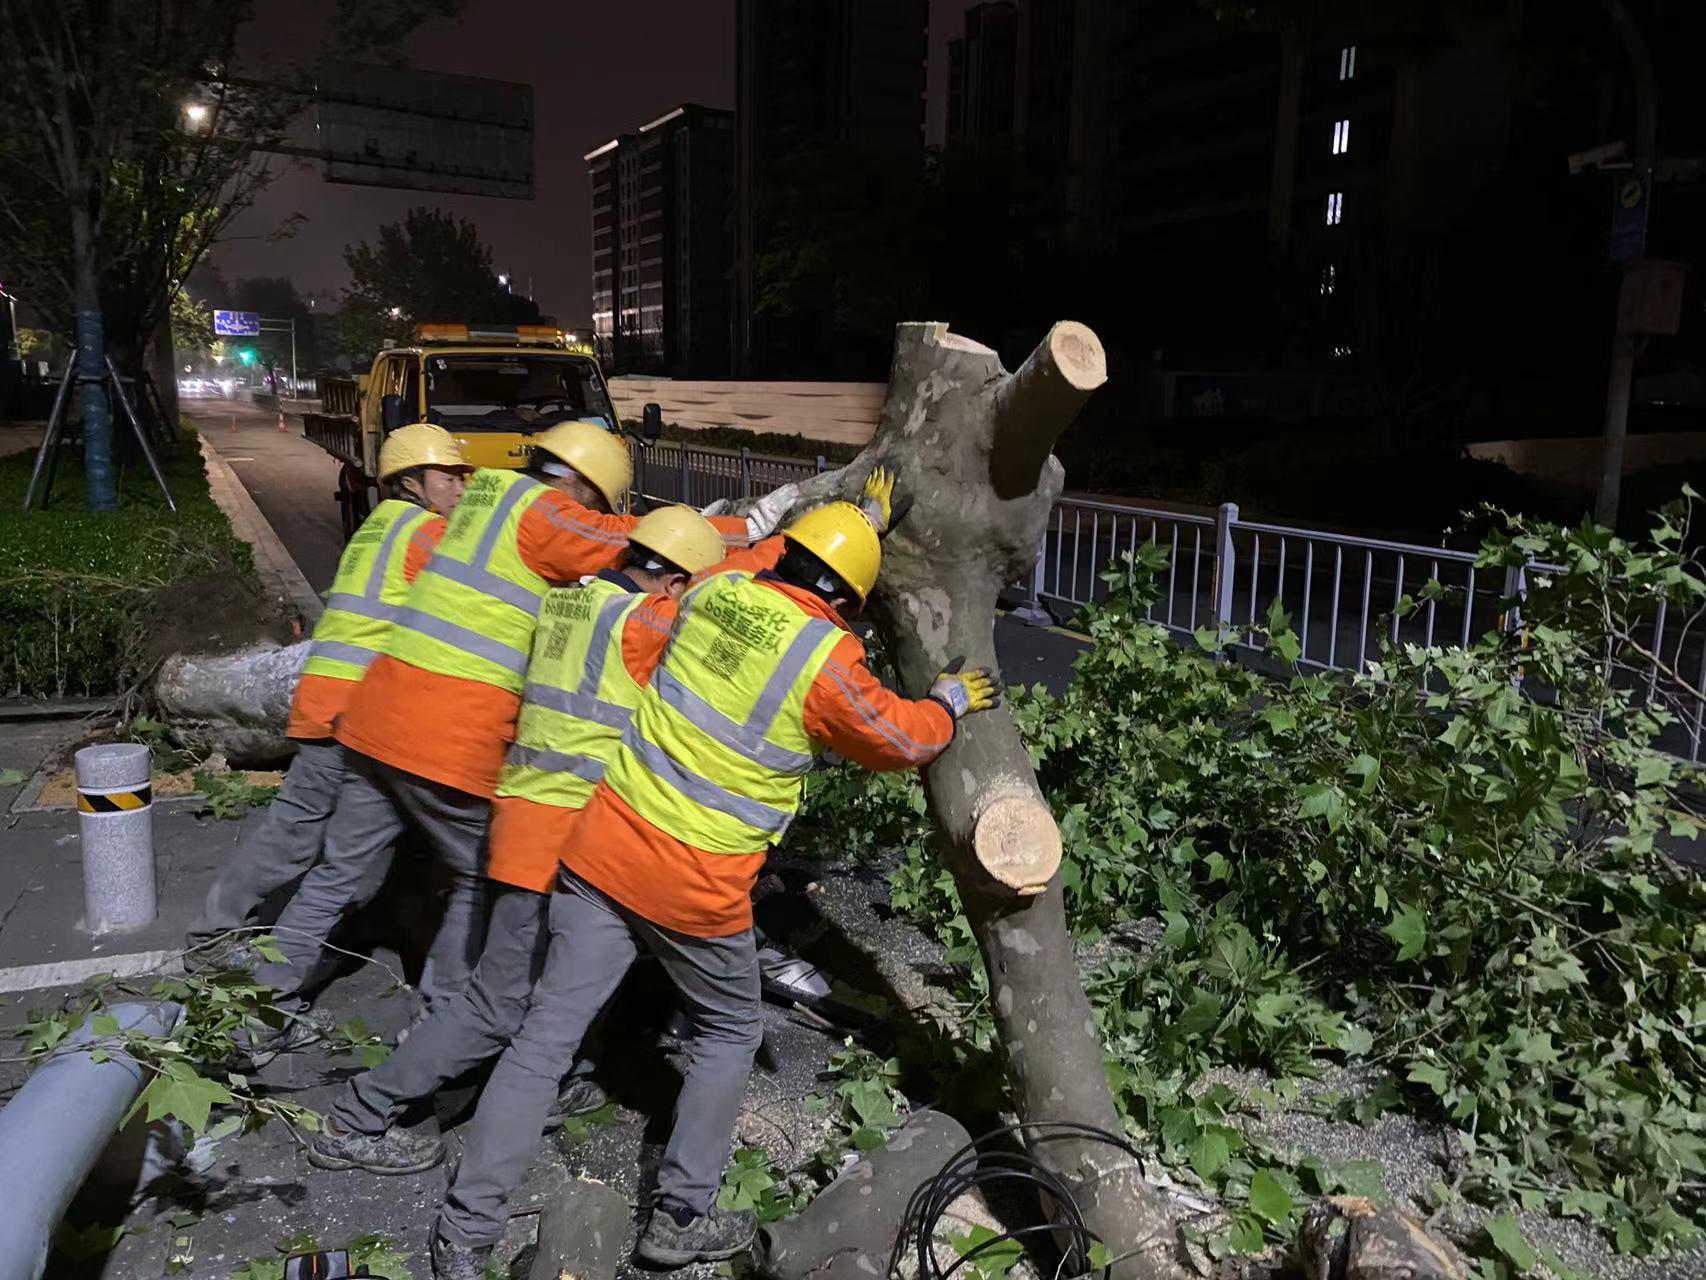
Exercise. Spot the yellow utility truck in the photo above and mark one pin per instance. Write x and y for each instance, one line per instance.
(492, 387)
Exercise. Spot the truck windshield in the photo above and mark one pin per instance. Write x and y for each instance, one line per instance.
(524, 392)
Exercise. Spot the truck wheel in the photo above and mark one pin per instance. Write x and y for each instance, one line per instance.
(352, 499)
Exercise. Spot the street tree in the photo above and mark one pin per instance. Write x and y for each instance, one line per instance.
(971, 445)
(431, 266)
(133, 137)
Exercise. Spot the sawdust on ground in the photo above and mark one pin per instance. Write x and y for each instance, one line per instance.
(60, 791)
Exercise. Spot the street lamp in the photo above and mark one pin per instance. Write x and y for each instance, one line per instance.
(396, 313)
(503, 280)
(195, 112)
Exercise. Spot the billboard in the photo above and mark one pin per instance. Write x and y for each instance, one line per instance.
(236, 324)
(425, 130)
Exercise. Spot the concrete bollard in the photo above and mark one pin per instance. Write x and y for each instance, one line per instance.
(116, 813)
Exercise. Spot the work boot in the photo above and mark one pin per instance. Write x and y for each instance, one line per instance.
(452, 1261)
(256, 1049)
(790, 979)
(220, 952)
(713, 1236)
(394, 1151)
(580, 1096)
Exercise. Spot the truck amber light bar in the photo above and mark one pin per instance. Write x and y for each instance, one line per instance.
(531, 334)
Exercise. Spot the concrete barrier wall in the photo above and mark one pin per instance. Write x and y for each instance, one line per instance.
(843, 412)
(1571, 464)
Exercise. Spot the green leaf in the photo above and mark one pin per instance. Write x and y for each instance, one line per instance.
(1507, 1238)
(104, 1025)
(13, 777)
(1209, 1152)
(1652, 769)
(1322, 800)
(1268, 1199)
(1435, 1077)
(179, 1091)
(1355, 1041)
(1278, 718)
(1100, 1257)
(988, 1255)
(1409, 930)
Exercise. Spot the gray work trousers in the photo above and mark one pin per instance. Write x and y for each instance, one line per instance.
(283, 843)
(593, 941)
(379, 802)
(468, 1029)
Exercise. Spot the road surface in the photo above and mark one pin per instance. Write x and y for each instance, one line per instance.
(293, 482)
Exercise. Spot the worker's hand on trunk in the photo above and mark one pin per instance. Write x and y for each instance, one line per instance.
(965, 692)
(877, 499)
(767, 512)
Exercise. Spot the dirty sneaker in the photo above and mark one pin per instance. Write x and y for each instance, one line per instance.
(579, 1097)
(394, 1151)
(452, 1261)
(711, 1237)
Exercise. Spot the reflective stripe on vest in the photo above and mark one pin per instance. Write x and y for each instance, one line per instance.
(577, 699)
(474, 605)
(717, 750)
(367, 594)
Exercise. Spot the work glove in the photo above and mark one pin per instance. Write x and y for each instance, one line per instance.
(963, 692)
(768, 511)
(718, 508)
(877, 499)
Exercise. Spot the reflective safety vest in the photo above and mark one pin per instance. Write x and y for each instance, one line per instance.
(717, 752)
(367, 594)
(473, 607)
(578, 697)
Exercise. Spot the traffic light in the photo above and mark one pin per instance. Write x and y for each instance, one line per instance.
(246, 355)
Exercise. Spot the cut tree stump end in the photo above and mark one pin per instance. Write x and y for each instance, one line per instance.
(1017, 842)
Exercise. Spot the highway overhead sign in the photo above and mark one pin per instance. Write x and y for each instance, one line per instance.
(237, 324)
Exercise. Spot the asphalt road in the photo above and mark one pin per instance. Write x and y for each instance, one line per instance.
(293, 482)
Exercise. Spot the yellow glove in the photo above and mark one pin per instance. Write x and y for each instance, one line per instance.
(877, 500)
(963, 692)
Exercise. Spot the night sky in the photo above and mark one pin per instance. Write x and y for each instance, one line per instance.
(597, 70)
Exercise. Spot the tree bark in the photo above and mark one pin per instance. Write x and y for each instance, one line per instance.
(857, 1217)
(970, 445)
(581, 1233)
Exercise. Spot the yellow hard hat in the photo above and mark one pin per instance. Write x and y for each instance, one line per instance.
(599, 455)
(681, 536)
(420, 444)
(839, 534)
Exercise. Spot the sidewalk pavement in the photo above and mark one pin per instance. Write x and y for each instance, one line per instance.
(259, 1188)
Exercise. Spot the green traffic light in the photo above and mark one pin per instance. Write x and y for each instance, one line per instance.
(247, 357)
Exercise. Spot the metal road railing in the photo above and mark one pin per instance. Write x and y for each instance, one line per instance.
(1340, 591)
(672, 471)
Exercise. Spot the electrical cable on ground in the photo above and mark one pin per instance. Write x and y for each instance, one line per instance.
(968, 1170)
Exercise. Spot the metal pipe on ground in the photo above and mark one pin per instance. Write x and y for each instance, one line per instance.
(54, 1129)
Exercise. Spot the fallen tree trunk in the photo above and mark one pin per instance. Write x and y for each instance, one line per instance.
(971, 445)
(581, 1233)
(851, 1227)
(236, 704)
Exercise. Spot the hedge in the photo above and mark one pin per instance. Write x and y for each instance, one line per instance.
(75, 586)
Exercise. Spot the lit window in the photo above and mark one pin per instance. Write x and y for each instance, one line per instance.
(1341, 353)
(1348, 62)
(1335, 208)
(1341, 137)
(1329, 279)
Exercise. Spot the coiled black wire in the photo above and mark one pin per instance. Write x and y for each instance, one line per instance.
(969, 1169)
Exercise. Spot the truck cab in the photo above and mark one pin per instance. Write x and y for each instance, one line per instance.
(492, 387)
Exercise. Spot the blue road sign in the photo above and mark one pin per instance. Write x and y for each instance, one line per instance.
(1631, 198)
(237, 324)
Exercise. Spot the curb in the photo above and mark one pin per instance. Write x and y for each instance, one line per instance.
(278, 570)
